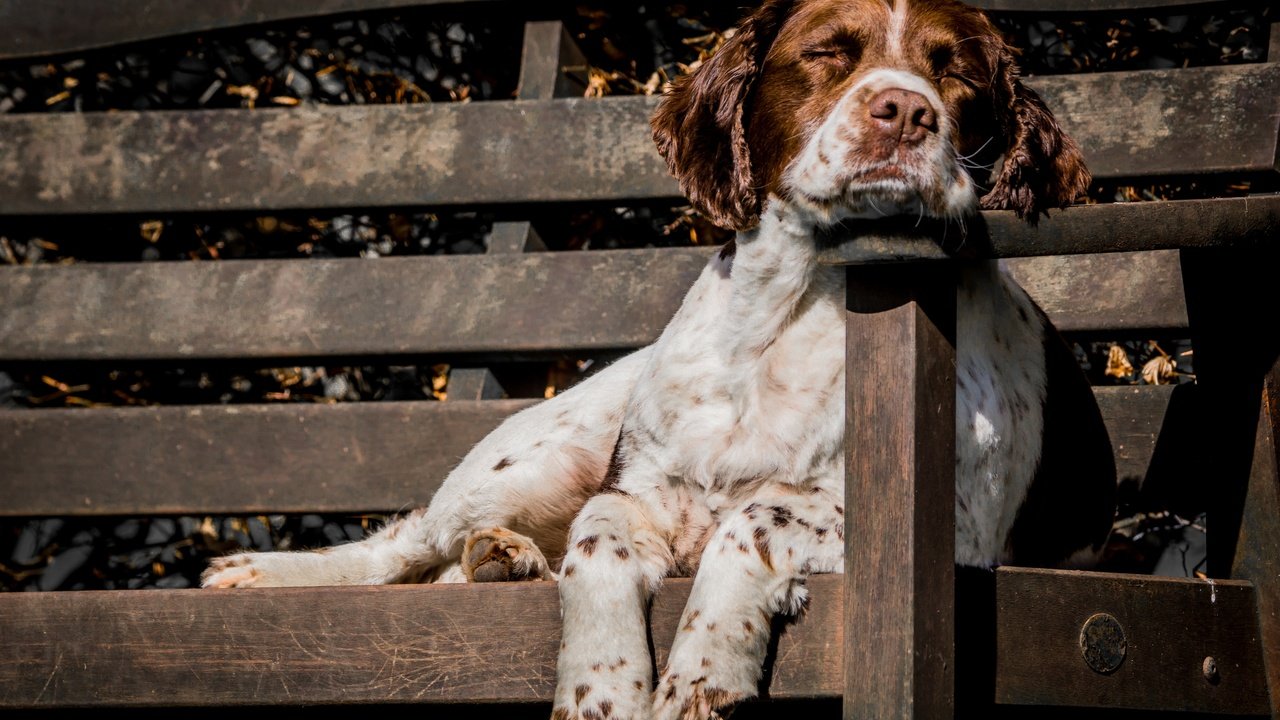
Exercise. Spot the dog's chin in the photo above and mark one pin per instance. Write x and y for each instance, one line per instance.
(887, 193)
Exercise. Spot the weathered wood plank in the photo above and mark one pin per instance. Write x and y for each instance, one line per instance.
(41, 27)
(900, 486)
(1087, 6)
(602, 300)
(397, 644)
(1258, 549)
(1171, 626)
(1121, 291)
(497, 643)
(238, 459)
(1244, 222)
(1192, 121)
(309, 458)
(1135, 417)
(325, 308)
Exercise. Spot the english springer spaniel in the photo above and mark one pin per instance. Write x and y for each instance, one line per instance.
(718, 451)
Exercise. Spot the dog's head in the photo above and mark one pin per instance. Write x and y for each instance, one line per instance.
(865, 108)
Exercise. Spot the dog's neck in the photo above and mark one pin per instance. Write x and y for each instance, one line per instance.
(774, 267)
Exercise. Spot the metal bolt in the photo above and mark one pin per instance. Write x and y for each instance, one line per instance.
(1210, 670)
(1103, 644)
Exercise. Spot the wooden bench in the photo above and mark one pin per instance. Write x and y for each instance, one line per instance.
(890, 637)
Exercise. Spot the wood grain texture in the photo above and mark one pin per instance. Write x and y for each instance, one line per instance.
(1258, 549)
(551, 65)
(1135, 417)
(899, 620)
(388, 306)
(40, 27)
(237, 459)
(43, 27)
(319, 646)
(1128, 292)
(379, 457)
(1248, 222)
(497, 642)
(462, 304)
(1170, 625)
(1131, 124)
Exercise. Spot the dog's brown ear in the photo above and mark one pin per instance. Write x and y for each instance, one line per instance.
(1043, 167)
(698, 125)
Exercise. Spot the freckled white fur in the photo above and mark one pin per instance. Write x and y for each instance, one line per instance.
(730, 430)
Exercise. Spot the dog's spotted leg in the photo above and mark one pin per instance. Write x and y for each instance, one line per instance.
(752, 569)
(500, 555)
(615, 560)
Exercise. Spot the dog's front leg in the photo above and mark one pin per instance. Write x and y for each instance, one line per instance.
(752, 569)
(616, 559)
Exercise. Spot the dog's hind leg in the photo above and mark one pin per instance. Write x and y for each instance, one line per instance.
(530, 476)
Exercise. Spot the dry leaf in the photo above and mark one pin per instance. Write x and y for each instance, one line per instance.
(1118, 365)
(1159, 370)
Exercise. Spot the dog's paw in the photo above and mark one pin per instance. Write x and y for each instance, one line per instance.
(232, 571)
(499, 555)
(695, 699)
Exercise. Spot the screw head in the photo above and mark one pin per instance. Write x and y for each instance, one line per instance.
(1210, 670)
(1103, 644)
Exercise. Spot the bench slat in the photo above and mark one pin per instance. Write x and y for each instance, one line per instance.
(497, 643)
(1170, 626)
(275, 309)
(1125, 292)
(1132, 124)
(463, 304)
(1084, 229)
(354, 457)
(40, 27)
(444, 643)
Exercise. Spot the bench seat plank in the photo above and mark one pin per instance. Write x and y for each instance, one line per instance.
(352, 457)
(497, 643)
(1131, 124)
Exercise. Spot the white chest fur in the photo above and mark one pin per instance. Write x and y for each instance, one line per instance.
(746, 385)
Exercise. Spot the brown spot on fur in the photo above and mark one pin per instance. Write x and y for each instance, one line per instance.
(781, 516)
(761, 536)
(592, 714)
(742, 547)
(606, 707)
(711, 627)
(719, 699)
(622, 553)
(688, 624)
(597, 667)
(580, 692)
(568, 571)
(706, 662)
(621, 663)
(638, 685)
(588, 544)
(503, 464)
(746, 625)
(560, 714)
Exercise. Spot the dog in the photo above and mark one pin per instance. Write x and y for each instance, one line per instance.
(717, 452)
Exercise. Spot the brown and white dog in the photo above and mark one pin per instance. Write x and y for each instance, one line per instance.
(718, 450)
